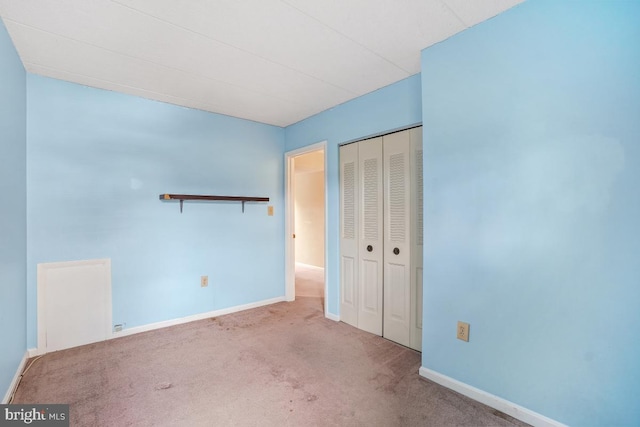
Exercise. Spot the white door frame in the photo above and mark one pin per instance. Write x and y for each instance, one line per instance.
(289, 197)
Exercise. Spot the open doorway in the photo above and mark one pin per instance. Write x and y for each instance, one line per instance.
(309, 223)
(306, 223)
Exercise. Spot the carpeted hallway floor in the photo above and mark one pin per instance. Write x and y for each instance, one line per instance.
(309, 281)
(278, 365)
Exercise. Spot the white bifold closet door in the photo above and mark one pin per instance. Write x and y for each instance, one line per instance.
(397, 238)
(371, 237)
(417, 237)
(361, 247)
(403, 237)
(348, 234)
(380, 244)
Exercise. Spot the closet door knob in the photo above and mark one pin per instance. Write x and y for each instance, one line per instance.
(369, 248)
(396, 251)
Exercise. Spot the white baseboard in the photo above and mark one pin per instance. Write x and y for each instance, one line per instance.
(16, 379)
(332, 316)
(33, 352)
(309, 266)
(200, 316)
(516, 411)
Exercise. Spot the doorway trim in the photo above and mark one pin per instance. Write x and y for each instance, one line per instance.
(290, 256)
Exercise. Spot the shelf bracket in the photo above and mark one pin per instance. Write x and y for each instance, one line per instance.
(183, 197)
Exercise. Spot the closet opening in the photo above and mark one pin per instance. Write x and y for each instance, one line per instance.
(381, 236)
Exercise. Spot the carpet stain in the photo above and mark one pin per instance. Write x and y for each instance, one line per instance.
(277, 373)
(288, 359)
(294, 383)
(504, 416)
(163, 386)
(280, 375)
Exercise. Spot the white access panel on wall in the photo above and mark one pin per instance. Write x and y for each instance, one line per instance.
(74, 304)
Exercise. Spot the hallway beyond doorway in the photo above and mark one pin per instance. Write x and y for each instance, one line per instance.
(309, 280)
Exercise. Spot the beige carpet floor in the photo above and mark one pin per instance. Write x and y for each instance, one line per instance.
(278, 365)
(309, 281)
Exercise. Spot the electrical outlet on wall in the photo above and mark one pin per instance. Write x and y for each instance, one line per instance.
(463, 331)
(204, 281)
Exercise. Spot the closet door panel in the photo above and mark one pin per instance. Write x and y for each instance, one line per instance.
(397, 238)
(395, 305)
(370, 224)
(417, 229)
(370, 301)
(349, 240)
(349, 288)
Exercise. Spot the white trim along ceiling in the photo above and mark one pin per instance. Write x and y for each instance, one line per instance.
(270, 61)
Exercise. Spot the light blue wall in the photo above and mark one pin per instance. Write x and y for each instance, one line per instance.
(98, 160)
(532, 208)
(13, 205)
(387, 109)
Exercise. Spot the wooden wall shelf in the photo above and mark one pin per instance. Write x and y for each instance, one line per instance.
(183, 197)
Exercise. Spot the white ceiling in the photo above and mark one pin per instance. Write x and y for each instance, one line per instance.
(271, 61)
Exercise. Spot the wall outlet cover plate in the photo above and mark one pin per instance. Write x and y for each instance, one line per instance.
(463, 331)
